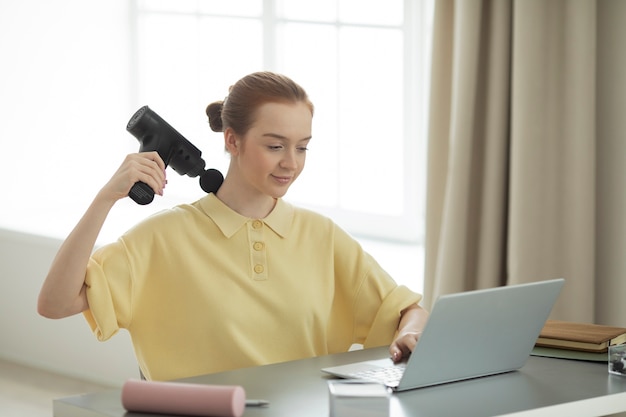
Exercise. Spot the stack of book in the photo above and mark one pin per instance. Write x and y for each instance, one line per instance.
(584, 337)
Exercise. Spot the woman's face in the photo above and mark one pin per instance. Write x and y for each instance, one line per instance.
(272, 153)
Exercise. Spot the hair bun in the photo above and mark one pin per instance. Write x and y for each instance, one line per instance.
(214, 112)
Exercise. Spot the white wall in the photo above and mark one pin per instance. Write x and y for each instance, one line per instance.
(66, 346)
(65, 75)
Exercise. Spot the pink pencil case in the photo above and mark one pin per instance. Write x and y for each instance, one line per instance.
(183, 398)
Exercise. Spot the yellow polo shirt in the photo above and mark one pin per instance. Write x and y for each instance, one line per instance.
(202, 289)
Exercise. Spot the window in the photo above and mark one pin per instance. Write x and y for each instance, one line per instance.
(363, 64)
(66, 99)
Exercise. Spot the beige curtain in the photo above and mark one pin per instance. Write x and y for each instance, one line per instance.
(523, 162)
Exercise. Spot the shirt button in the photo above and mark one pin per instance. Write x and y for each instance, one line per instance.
(259, 269)
(258, 246)
(257, 224)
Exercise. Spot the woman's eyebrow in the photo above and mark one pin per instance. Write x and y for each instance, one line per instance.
(281, 137)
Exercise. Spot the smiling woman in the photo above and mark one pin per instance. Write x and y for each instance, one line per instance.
(286, 270)
(266, 131)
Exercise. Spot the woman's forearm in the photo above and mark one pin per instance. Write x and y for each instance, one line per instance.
(63, 293)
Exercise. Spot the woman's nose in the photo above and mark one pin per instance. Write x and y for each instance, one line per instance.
(289, 160)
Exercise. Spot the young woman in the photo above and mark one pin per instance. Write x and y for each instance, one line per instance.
(238, 278)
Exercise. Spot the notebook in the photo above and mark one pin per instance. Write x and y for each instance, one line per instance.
(468, 335)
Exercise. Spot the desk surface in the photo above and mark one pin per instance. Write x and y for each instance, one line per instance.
(300, 388)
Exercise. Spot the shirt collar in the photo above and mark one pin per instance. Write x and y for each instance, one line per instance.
(229, 221)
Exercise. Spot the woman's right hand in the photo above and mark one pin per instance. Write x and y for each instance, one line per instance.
(147, 167)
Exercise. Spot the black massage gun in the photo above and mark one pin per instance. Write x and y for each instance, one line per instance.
(155, 134)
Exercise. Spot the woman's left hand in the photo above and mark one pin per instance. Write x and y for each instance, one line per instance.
(403, 345)
(412, 321)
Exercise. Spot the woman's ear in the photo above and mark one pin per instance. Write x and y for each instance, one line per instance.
(231, 141)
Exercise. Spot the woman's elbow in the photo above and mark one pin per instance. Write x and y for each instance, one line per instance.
(47, 308)
(51, 309)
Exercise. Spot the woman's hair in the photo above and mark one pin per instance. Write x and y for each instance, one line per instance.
(238, 109)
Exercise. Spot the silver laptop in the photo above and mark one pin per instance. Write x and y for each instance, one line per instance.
(468, 335)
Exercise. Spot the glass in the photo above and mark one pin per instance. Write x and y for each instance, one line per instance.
(308, 53)
(168, 5)
(360, 12)
(373, 12)
(250, 8)
(317, 11)
(371, 97)
(617, 360)
(350, 55)
(181, 70)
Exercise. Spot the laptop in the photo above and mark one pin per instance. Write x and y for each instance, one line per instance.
(468, 335)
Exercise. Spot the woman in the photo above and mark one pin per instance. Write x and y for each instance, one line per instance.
(238, 278)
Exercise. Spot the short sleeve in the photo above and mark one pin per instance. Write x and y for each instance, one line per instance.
(375, 299)
(385, 324)
(109, 291)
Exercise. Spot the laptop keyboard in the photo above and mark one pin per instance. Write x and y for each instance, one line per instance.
(389, 376)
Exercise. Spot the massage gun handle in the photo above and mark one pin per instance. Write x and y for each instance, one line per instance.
(141, 193)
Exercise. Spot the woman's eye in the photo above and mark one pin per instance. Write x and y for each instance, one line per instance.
(274, 147)
(303, 149)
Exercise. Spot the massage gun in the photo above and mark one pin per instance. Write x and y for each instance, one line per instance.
(155, 134)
